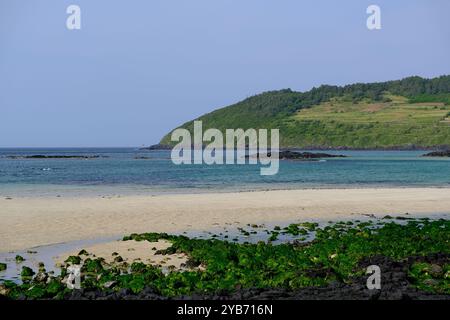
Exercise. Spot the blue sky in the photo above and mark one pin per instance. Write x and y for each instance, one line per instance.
(139, 68)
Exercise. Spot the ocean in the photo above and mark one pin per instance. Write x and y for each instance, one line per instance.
(124, 171)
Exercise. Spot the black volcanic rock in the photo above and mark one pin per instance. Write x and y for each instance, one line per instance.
(293, 155)
(444, 153)
(307, 155)
(157, 147)
(396, 285)
(40, 156)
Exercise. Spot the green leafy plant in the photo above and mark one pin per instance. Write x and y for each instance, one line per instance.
(334, 255)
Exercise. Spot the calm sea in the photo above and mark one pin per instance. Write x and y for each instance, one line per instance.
(120, 171)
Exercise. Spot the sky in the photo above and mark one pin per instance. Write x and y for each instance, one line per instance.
(137, 69)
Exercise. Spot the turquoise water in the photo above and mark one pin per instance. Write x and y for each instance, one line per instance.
(118, 172)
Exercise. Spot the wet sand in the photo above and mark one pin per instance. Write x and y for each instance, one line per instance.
(131, 251)
(29, 222)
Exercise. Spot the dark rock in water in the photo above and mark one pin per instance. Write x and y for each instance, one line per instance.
(26, 272)
(444, 153)
(41, 267)
(40, 156)
(157, 147)
(293, 155)
(83, 253)
(19, 259)
(3, 266)
(307, 155)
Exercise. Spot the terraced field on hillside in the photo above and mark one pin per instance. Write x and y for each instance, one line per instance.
(341, 122)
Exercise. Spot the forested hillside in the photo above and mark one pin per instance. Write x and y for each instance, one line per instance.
(412, 112)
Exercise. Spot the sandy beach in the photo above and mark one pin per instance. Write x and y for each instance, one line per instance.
(30, 222)
(131, 251)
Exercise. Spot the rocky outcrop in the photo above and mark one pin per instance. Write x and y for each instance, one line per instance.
(40, 156)
(395, 279)
(443, 153)
(306, 155)
(157, 147)
(293, 155)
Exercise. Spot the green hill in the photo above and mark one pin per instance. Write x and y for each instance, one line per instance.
(396, 114)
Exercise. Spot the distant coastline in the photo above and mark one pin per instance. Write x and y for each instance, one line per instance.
(159, 146)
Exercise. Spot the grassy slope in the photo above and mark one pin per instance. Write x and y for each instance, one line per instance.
(380, 115)
(369, 124)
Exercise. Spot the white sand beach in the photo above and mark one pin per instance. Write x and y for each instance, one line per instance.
(30, 222)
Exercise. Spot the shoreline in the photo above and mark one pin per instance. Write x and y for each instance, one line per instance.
(105, 191)
(32, 222)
